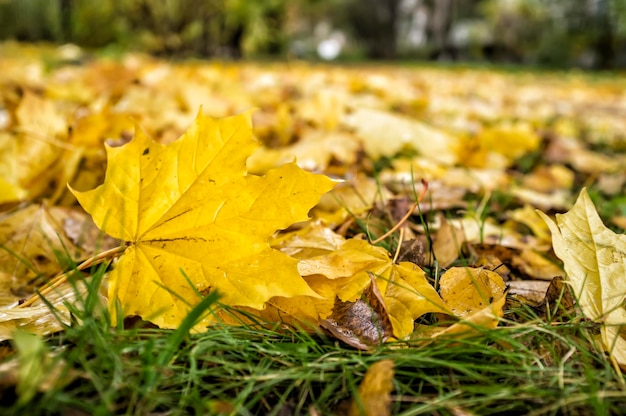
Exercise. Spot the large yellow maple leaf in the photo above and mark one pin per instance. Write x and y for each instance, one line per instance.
(190, 207)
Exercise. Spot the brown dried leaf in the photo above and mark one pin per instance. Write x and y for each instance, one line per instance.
(363, 323)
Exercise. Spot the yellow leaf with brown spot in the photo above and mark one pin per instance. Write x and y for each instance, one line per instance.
(468, 290)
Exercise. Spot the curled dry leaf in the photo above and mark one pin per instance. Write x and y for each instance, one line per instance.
(363, 323)
(559, 296)
(530, 292)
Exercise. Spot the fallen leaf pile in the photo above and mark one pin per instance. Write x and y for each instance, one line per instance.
(379, 203)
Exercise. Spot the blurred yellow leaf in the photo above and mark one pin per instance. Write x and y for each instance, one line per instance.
(38, 370)
(189, 207)
(10, 185)
(385, 134)
(535, 265)
(38, 241)
(507, 142)
(528, 216)
(313, 152)
(375, 391)
(594, 258)
(29, 159)
(40, 118)
(349, 198)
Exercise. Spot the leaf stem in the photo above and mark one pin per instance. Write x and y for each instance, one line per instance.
(400, 240)
(61, 278)
(406, 217)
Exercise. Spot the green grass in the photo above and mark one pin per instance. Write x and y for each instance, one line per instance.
(538, 366)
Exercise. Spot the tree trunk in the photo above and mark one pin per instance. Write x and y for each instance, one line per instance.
(604, 42)
(65, 8)
(439, 26)
(375, 22)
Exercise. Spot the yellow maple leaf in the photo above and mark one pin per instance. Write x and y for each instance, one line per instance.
(499, 146)
(190, 207)
(594, 259)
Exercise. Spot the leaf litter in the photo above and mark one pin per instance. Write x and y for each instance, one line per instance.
(200, 205)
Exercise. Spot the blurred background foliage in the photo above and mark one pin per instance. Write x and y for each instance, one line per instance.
(557, 33)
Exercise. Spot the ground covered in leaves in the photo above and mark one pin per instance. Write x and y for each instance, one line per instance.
(335, 238)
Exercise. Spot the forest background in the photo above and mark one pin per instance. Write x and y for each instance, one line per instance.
(589, 34)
